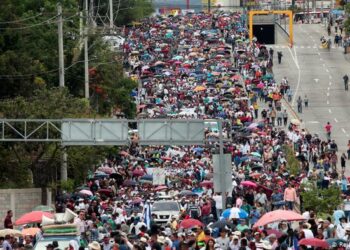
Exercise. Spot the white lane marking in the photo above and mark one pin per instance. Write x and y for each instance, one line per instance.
(330, 77)
(321, 59)
(344, 131)
(295, 59)
(328, 102)
(335, 119)
(309, 47)
(328, 88)
(316, 80)
(313, 122)
(328, 94)
(330, 83)
(327, 70)
(324, 65)
(330, 111)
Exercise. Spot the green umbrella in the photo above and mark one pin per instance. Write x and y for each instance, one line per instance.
(43, 208)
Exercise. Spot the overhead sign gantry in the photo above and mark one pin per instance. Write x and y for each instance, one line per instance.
(289, 13)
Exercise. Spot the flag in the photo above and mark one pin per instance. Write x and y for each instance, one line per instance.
(147, 215)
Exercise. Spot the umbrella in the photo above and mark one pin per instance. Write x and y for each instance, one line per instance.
(314, 242)
(189, 223)
(147, 177)
(187, 193)
(43, 208)
(8, 231)
(160, 188)
(295, 122)
(86, 192)
(256, 154)
(129, 183)
(207, 184)
(278, 215)
(30, 231)
(248, 184)
(200, 88)
(221, 224)
(33, 217)
(234, 213)
(275, 232)
(138, 172)
(333, 242)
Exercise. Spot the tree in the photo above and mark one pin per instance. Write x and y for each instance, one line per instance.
(321, 200)
(42, 159)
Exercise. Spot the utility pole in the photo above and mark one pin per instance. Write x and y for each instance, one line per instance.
(86, 52)
(60, 45)
(64, 156)
(111, 17)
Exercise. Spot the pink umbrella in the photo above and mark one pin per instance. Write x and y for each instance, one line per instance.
(249, 184)
(160, 188)
(33, 217)
(260, 85)
(138, 172)
(86, 192)
(278, 215)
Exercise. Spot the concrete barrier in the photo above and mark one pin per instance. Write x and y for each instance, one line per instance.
(22, 201)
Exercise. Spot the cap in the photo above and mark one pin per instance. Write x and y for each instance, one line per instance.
(94, 245)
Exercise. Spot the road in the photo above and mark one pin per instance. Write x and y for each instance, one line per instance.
(317, 73)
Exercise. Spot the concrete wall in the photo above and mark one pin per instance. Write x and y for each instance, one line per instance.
(281, 35)
(21, 201)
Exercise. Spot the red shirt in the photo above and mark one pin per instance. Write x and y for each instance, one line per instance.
(8, 222)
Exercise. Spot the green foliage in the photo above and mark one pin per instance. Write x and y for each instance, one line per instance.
(67, 185)
(322, 200)
(293, 164)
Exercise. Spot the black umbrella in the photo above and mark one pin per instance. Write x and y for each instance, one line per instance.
(221, 224)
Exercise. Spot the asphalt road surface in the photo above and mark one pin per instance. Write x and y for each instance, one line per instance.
(317, 73)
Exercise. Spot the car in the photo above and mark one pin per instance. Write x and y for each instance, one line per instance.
(114, 42)
(63, 241)
(164, 210)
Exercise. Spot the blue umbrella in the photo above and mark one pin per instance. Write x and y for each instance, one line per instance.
(234, 213)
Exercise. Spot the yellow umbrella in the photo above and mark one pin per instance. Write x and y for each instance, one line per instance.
(200, 88)
(8, 231)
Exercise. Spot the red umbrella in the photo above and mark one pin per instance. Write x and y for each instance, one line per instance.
(189, 223)
(33, 217)
(278, 215)
(207, 184)
(248, 184)
(160, 188)
(314, 242)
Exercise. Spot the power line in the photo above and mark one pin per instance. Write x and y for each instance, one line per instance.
(46, 22)
(21, 20)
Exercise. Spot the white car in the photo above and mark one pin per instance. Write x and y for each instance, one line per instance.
(165, 210)
(114, 42)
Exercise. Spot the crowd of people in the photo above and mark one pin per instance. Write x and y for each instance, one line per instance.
(204, 66)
